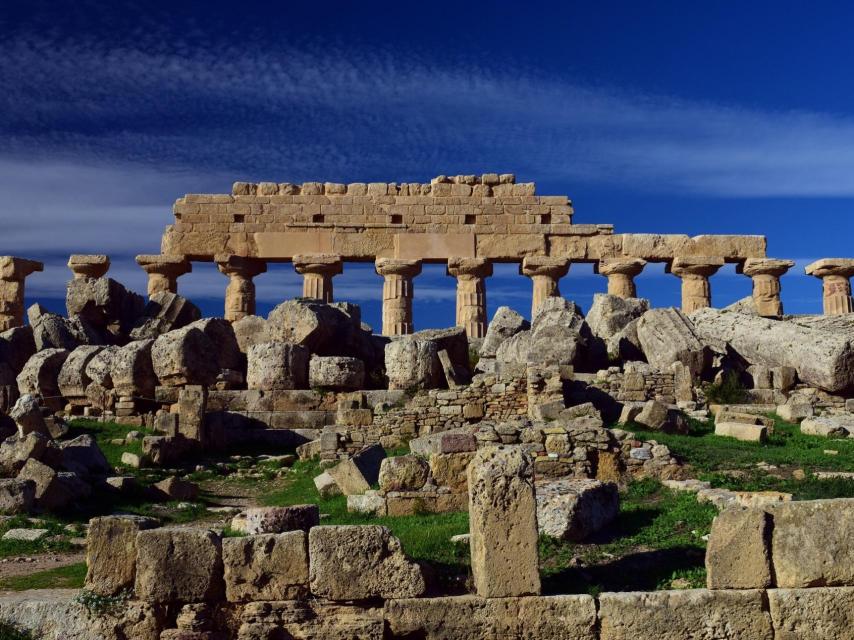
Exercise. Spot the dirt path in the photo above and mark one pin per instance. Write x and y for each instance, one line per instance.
(26, 565)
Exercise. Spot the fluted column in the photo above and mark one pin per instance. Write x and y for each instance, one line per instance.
(89, 266)
(317, 271)
(471, 293)
(13, 273)
(621, 274)
(397, 294)
(766, 273)
(835, 274)
(240, 292)
(163, 271)
(544, 272)
(695, 273)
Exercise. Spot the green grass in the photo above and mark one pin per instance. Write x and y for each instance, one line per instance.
(104, 433)
(787, 446)
(68, 577)
(57, 540)
(810, 488)
(8, 632)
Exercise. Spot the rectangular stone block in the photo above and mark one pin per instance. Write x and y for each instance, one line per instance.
(470, 617)
(287, 244)
(742, 431)
(266, 567)
(698, 614)
(738, 555)
(111, 552)
(434, 246)
(812, 614)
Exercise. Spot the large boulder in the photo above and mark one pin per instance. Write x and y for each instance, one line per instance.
(412, 364)
(361, 563)
(558, 335)
(40, 376)
(505, 324)
(360, 472)
(403, 473)
(336, 372)
(111, 552)
(277, 365)
(16, 450)
(667, 336)
(613, 321)
(73, 379)
(52, 491)
(131, 370)
(257, 520)
(829, 426)
(266, 567)
(16, 496)
(104, 304)
(251, 330)
(220, 333)
(574, 509)
(165, 311)
(83, 456)
(17, 345)
(823, 358)
(185, 356)
(178, 565)
(28, 417)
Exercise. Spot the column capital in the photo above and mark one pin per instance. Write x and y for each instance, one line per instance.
(326, 264)
(620, 266)
(544, 266)
(843, 267)
(397, 267)
(229, 265)
(764, 267)
(695, 266)
(89, 266)
(165, 265)
(13, 268)
(474, 267)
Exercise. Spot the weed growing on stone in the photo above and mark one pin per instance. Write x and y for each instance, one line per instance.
(100, 605)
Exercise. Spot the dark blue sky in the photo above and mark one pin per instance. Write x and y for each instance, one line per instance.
(656, 117)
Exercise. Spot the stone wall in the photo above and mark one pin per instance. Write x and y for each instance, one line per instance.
(636, 384)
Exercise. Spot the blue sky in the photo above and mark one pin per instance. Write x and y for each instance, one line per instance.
(656, 117)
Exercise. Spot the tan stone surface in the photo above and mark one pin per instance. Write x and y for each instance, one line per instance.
(398, 291)
(835, 274)
(738, 554)
(13, 273)
(163, 271)
(621, 273)
(742, 431)
(812, 614)
(451, 470)
(471, 293)
(240, 292)
(503, 523)
(266, 567)
(694, 273)
(111, 552)
(766, 273)
(545, 273)
(317, 271)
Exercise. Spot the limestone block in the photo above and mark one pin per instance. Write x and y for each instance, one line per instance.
(505, 324)
(251, 330)
(575, 509)
(653, 415)
(443, 442)
(361, 471)
(795, 411)
(403, 473)
(742, 431)
(51, 493)
(360, 562)
(27, 415)
(266, 567)
(51, 331)
(111, 552)
(16, 347)
(829, 426)
(336, 372)
(40, 374)
(131, 370)
(412, 364)
(185, 357)
(676, 615)
(165, 311)
(667, 336)
(468, 617)
(451, 470)
(178, 565)
(370, 503)
(326, 485)
(16, 496)
(173, 488)
(221, 334)
(83, 456)
(16, 450)
(503, 523)
(813, 543)
(321, 328)
(277, 365)
(104, 303)
(608, 317)
(99, 366)
(738, 555)
(258, 520)
(812, 614)
(311, 620)
(73, 380)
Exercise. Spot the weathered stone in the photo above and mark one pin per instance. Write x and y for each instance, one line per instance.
(103, 303)
(39, 376)
(251, 330)
(443, 442)
(173, 488)
(677, 615)
(221, 334)
(359, 563)
(505, 324)
(83, 456)
(653, 415)
(277, 365)
(26, 535)
(192, 406)
(27, 415)
(131, 370)
(667, 336)
(829, 426)
(742, 431)
(16, 347)
(738, 555)
(812, 614)
(259, 520)
(795, 411)
(185, 357)
(575, 509)
(470, 617)
(361, 471)
(16, 450)
(16, 496)
(557, 335)
(266, 567)
(608, 318)
(503, 523)
(73, 380)
(51, 493)
(178, 565)
(370, 503)
(451, 470)
(336, 372)
(165, 311)
(326, 485)
(412, 364)
(111, 552)
(52, 331)
(403, 473)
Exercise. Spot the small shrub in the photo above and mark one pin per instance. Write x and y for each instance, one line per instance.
(728, 391)
(100, 605)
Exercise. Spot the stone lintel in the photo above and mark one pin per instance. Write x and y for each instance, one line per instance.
(764, 267)
(12, 268)
(474, 267)
(398, 267)
(624, 266)
(230, 264)
(324, 263)
(544, 266)
(843, 267)
(694, 266)
(89, 266)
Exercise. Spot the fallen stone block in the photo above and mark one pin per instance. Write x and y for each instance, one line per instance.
(504, 325)
(653, 415)
(667, 336)
(258, 520)
(451, 470)
(370, 503)
(173, 488)
(336, 372)
(403, 473)
(412, 364)
(51, 493)
(26, 535)
(326, 485)
(795, 412)
(575, 509)
(111, 552)
(277, 365)
(812, 614)
(83, 456)
(178, 565)
(16, 450)
(443, 442)
(40, 374)
(741, 431)
(360, 472)
(831, 426)
(16, 496)
(359, 563)
(738, 555)
(28, 417)
(266, 567)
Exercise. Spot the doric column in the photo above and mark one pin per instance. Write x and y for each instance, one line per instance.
(163, 271)
(397, 294)
(240, 292)
(545, 273)
(317, 271)
(835, 274)
(13, 272)
(621, 274)
(695, 272)
(766, 273)
(471, 293)
(88, 266)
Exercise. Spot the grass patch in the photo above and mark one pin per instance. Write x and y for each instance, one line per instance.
(787, 446)
(9, 632)
(69, 577)
(104, 433)
(57, 540)
(810, 488)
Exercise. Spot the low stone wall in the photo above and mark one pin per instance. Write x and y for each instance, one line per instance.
(638, 385)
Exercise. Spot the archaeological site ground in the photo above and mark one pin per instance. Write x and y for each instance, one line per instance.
(619, 472)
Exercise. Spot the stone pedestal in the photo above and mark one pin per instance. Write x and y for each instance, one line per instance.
(545, 273)
(163, 271)
(695, 273)
(89, 266)
(835, 274)
(766, 273)
(13, 272)
(317, 271)
(397, 294)
(471, 293)
(240, 292)
(621, 274)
